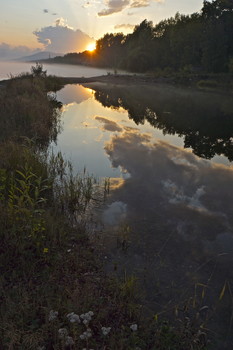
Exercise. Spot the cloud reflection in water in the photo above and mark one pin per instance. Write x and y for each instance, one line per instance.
(172, 183)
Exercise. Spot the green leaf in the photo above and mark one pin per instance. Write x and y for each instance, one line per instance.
(223, 291)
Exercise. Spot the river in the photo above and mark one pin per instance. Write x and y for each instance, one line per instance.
(168, 218)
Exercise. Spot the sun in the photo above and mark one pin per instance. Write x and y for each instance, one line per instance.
(91, 47)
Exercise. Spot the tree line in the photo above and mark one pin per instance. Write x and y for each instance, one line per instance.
(200, 42)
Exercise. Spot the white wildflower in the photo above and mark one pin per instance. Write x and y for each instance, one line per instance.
(87, 317)
(53, 315)
(105, 330)
(69, 341)
(134, 327)
(89, 334)
(86, 334)
(62, 332)
(72, 317)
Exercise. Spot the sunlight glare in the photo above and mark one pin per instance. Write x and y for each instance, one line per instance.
(91, 47)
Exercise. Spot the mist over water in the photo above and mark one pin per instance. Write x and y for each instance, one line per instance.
(9, 68)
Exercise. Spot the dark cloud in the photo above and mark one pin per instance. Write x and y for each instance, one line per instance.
(114, 6)
(124, 26)
(108, 124)
(143, 3)
(62, 39)
(13, 52)
(140, 3)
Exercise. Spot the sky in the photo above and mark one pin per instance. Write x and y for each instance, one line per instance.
(64, 26)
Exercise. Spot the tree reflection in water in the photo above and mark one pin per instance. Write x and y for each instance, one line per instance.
(205, 120)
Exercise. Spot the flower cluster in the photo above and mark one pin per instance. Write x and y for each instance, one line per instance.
(87, 317)
(134, 327)
(86, 334)
(105, 330)
(72, 317)
(53, 315)
(63, 334)
(69, 341)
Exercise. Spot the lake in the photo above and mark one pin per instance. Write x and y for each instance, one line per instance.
(64, 70)
(168, 218)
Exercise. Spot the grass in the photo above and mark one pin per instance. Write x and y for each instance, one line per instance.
(54, 293)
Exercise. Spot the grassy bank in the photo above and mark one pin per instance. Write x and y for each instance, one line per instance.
(54, 293)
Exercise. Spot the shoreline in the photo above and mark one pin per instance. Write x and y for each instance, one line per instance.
(203, 83)
(108, 78)
(115, 79)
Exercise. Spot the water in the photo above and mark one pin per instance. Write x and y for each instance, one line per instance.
(14, 68)
(168, 219)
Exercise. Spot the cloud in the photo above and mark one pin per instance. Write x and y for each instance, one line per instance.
(115, 6)
(86, 5)
(109, 125)
(192, 192)
(47, 11)
(92, 3)
(124, 26)
(143, 3)
(13, 52)
(61, 22)
(140, 3)
(62, 38)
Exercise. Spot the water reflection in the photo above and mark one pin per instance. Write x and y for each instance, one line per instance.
(173, 183)
(174, 226)
(168, 218)
(74, 94)
(205, 120)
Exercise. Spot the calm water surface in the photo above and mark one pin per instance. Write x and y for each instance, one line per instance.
(168, 219)
(64, 70)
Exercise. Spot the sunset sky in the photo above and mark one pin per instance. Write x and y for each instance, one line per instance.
(69, 25)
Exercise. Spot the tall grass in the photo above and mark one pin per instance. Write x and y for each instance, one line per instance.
(26, 110)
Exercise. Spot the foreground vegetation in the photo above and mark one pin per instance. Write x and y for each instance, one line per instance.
(54, 294)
